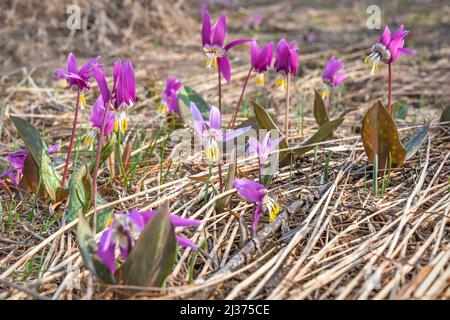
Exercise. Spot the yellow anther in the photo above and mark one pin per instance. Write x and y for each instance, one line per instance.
(281, 84)
(274, 212)
(161, 107)
(116, 126)
(83, 101)
(260, 79)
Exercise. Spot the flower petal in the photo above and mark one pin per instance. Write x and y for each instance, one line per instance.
(199, 123)
(235, 43)
(178, 221)
(206, 28)
(220, 29)
(185, 242)
(251, 190)
(256, 215)
(231, 134)
(224, 67)
(214, 118)
(102, 85)
(106, 250)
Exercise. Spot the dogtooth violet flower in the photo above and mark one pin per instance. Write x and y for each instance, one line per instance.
(125, 230)
(211, 131)
(169, 98)
(17, 162)
(213, 38)
(331, 76)
(388, 48)
(264, 148)
(78, 78)
(261, 59)
(257, 193)
(96, 123)
(123, 94)
(286, 62)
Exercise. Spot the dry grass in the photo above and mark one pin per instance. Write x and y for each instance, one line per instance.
(332, 241)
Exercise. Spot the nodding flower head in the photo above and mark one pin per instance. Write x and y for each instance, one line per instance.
(263, 149)
(261, 60)
(286, 61)
(213, 38)
(388, 48)
(78, 78)
(211, 132)
(257, 193)
(124, 93)
(125, 230)
(96, 123)
(169, 97)
(331, 76)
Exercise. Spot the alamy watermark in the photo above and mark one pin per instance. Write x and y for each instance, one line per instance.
(374, 19)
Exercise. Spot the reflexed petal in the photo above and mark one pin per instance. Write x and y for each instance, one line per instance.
(185, 242)
(253, 146)
(17, 160)
(53, 148)
(235, 43)
(254, 54)
(178, 221)
(294, 61)
(251, 190)
(137, 218)
(131, 81)
(206, 28)
(406, 52)
(199, 123)
(256, 215)
(220, 30)
(385, 37)
(106, 250)
(231, 134)
(72, 63)
(173, 103)
(339, 78)
(102, 85)
(214, 118)
(224, 67)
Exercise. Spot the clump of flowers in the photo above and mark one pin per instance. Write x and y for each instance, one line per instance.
(258, 194)
(169, 98)
(120, 238)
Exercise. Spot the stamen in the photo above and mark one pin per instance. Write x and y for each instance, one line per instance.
(83, 101)
(281, 84)
(260, 79)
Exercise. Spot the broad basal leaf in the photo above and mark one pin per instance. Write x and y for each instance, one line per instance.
(51, 180)
(87, 246)
(320, 112)
(153, 257)
(414, 142)
(185, 96)
(380, 136)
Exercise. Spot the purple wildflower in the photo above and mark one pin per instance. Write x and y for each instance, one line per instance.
(211, 131)
(261, 60)
(213, 38)
(388, 48)
(331, 76)
(96, 123)
(263, 149)
(125, 230)
(78, 78)
(286, 61)
(257, 193)
(169, 99)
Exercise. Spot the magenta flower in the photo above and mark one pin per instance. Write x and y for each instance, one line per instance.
(213, 38)
(211, 132)
(96, 123)
(169, 99)
(261, 60)
(78, 78)
(286, 61)
(257, 193)
(331, 76)
(125, 230)
(263, 149)
(388, 48)
(123, 94)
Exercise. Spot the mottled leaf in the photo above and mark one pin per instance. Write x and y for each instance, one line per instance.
(414, 142)
(320, 112)
(380, 136)
(153, 257)
(51, 180)
(88, 250)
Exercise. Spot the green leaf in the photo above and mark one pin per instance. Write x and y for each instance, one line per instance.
(80, 199)
(185, 96)
(87, 246)
(380, 136)
(414, 142)
(222, 203)
(320, 135)
(400, 109)
(320, 112)
(51, 180)
(104, 153)
(153, 257)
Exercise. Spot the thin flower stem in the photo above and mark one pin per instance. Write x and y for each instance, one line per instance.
(238, 107)
(219, 166)
(390, 88)
(72, 139)
(286, 119)
(95, 173)
(330, 101)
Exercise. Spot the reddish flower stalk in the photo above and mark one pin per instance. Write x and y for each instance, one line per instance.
(72, 139)
(390, 88)
(219, 166)
(238, 107)
(286, 120)
(330, 100)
